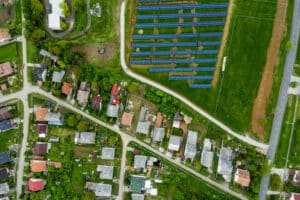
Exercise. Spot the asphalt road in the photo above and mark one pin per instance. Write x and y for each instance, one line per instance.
(283, 96)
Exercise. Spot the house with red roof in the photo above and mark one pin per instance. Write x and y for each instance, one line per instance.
(35, 185)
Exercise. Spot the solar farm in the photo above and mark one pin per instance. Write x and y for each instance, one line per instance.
(179, 39)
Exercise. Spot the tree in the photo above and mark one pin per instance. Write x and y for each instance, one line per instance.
(112, 140)
(65, 8)
(71, 121)
(275, 182)
(78, 5)
(89, 196)
(38, 34)
(82, 126)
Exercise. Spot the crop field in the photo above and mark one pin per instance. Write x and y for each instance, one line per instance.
(231, 98)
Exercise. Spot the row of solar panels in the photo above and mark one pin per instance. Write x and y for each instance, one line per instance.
(179, 24)
(182, 69)
(172, 53)
(184, 15)
(199, 85)
(185, 78)
(182, 6)
(171, 36)
(173, 61)
(176, 44)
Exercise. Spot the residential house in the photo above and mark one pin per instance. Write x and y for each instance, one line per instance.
(83, 93)
(158, 134)
(54, 139)
(174, 143)
(42, 130)
(114, 102)
(41, 148)
(108, 153)
(4, 174)
(191, 145)
(38, 165)
(207, 155)
(4, 113)
(106, 172)
(85, 138)
(295, 196)
(58, 76)
(137, 196)
(97, 103)
(4, 157)
(4, 189)
(6, 125)
(100, 189)
(296, 177)
(57, 12)
(127, 119)
(67, 89)
(35, 185)
(44, 115)
(137, 183)
(56, 165)
(48, 54)
(143, 127)
(177, 120)
(4, 35)
(143, 114)
(225, 163)
(242, 177)
(140, 162)
(39, 74)
(6, 69)
(159, 120)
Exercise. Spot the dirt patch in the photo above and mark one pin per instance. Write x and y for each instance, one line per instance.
(224, 38)
(83, 152)
(5, 15)
(265, 88)
(92, 55)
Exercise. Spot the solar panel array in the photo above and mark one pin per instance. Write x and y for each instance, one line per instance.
(175, 42)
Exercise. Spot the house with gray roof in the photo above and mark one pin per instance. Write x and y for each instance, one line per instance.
(106, 172)
(225, 163)
(140, 162)
(113, 110)
(108, 153)
(158, 134)
(48, 54)
(143, 113)
(207, 155)
(4, 157)
(137, 196)
(137, 183)
(100, 189)
(143, 127)
(85, 138)
(58, 76)
(4, 189)
(174, 143)
(191, 145)
(54, 118)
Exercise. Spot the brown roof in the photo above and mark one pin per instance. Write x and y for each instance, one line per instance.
(96, 101)
(242, 177)
(127, 119)
(40, 114)
(40, 148)
(159, 120)
(42, 128)
(55, 164)
(67, 88)
(37, 157)
(4, 35)
(4, 113)
(5, 69)
(296, 177)
(38, 165)
(36, 184)
(3, 86)
(295, 196)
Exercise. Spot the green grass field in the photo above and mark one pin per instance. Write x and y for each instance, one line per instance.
(10, 52)
(246, 49)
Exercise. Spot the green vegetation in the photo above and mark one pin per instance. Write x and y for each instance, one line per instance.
(11, 52)
(275, 182)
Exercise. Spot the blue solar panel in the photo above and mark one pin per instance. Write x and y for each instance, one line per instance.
(182, 69)
(174, 44)
(199, 85)
(171, 53)
(177, 78)
(184, 15)
(179, 24)
(182, 6)
(154, 1)
(170, 36)
(172, 61)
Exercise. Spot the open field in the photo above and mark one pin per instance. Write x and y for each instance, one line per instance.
(11, 52)
(246, 48)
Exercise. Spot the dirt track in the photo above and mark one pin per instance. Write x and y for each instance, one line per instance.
(265, 88)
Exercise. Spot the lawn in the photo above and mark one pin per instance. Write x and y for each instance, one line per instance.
(246, 60)
(33, 53)
(11, 52)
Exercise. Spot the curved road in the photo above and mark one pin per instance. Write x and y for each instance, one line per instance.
(283, 96)
(245, 139)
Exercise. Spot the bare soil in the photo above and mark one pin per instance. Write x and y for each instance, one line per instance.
(224, 38)
(83, 152)
(5, 15)
(265, 88)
